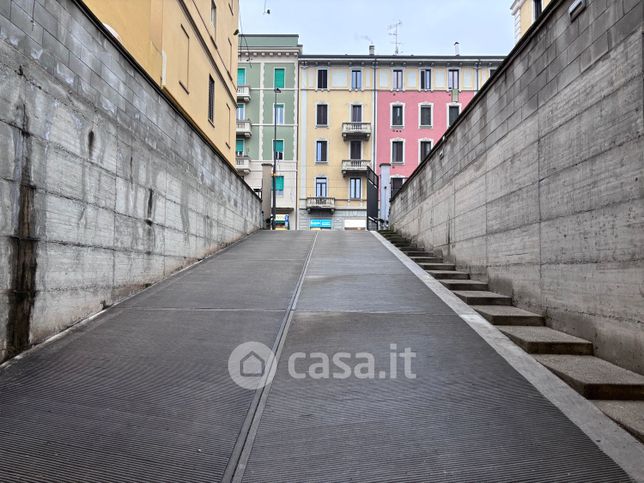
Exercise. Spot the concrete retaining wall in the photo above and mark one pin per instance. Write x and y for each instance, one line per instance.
(539, 186)
(104, 187)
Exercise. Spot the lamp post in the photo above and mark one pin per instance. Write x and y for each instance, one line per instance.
(274, 204)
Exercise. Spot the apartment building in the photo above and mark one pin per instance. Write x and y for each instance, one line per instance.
(373, 112)
(189, 48)
(267, 105)
(418, 98)
(336, 146)
(525, 12)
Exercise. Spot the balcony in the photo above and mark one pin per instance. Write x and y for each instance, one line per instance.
(243, 93)
(242, 164)
(244, 128)
(355, 166)
(320, 203)
(356, 130)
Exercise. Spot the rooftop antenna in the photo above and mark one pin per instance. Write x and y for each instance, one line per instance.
(393, 31)
(267, 11)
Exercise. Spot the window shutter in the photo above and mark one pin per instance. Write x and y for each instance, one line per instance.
(279, 78)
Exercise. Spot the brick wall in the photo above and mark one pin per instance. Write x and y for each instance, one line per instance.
(104, 187)
(539, 186)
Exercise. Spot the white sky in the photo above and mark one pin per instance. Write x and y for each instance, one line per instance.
(482, 27)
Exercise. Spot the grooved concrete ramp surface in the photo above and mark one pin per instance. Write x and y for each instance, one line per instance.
(143, 393)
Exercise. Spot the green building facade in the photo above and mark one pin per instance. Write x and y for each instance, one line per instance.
(267, 62)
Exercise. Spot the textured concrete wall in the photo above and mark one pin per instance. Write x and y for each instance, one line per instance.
(539, 188)
(104, 187)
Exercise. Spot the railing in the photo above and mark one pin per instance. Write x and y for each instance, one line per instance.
(356, 129)
(355, 165)
(242, 163)
(320, 203)
(243, 93)
(244, 127)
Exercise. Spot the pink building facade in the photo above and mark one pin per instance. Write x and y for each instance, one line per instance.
(416, 101)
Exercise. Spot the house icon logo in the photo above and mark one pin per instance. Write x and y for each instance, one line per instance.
(251, 365)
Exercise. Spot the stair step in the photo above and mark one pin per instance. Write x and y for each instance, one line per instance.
(417, 253)
(436, 266)
(430, 261)
(508, 315)
(395, 237)
(464, 284)
(425, 259)
(448, 274)
(482, 298)
(544, 340)
(407, 248)
(595, 378)
(628, 414)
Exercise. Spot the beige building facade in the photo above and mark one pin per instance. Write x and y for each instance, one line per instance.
(189, 48)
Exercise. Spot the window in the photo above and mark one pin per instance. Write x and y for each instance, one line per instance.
(279, 185)
(278, 78)
(397, 115)
(538, 8)
(213, 15)
(355, 150)
(229, 117)
(211, 99)
(320, 187)
(452, 79)
(321, 115)
(356, 80)
(322, 78)
(453, 113)
(184, 48)
(320, 152)
(398, 79)
(230, 56)
(425, 116)
(397, 150)
(396, 184)
(239, 147)
(279, 149)
(355, 188)
(426, 79)
(241, 76)
(425, 148)
(356, 113)
(492, 71)
(241, 112)
(278, 113)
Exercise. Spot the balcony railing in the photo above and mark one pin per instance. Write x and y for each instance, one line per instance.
(242, 163)
(244, 128)
(355, 166)
(320, 203)
(243, 93)
(356, 130)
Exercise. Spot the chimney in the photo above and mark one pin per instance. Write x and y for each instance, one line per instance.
(372, 49)
(457, 49)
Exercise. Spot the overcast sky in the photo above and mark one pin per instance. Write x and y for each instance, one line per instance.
(482, 27)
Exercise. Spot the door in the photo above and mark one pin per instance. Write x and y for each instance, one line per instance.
(356, 113)
(320, 187)
(355, 151)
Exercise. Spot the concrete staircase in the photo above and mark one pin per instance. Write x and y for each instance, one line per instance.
(619, 393)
